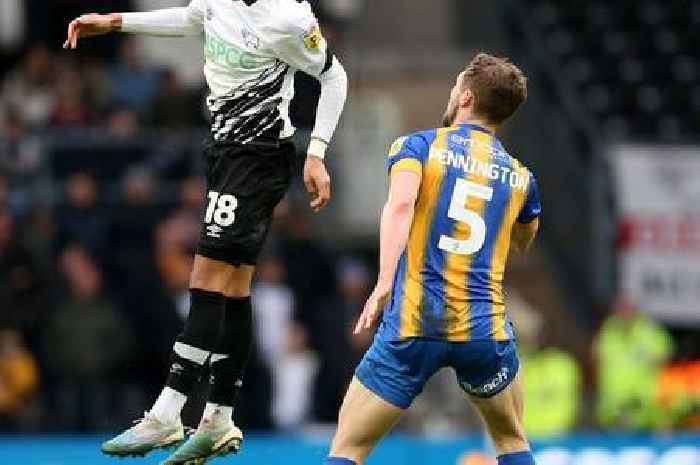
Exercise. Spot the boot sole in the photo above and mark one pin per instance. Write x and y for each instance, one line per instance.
(143, 452)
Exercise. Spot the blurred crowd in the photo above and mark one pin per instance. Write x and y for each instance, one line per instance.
(100, 200)
(90, 310)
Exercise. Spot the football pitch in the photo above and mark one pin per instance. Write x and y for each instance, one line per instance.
(585, 449)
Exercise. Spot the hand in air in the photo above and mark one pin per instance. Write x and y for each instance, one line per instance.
(90, 25)
(318, 182)
(373, 308)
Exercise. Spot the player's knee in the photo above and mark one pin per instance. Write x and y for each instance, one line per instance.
(208, 275)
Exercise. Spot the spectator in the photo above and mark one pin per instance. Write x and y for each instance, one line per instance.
(131, 267)
(301, 251)
(81, 220)
(173, 107)
(679, 394)
(70, 109)
(30, 88)
(283, 345)
(551, 381)
(192, 195)
(134, 84)
(176, 239)
(123, 123)
(132, 240)
(630, 352)
(4, 191)
(21, 282)
(20, 151)
(86, 340)
(19, 378)
(339, 349)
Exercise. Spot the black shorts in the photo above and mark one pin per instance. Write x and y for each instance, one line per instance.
(244, 185)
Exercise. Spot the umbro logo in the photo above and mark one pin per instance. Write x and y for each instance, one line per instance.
(176, 369)
(214, 231)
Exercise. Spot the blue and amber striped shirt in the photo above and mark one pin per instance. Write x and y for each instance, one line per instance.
(449, 282)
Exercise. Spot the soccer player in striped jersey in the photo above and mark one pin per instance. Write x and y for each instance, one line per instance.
(458, 203)
(252, 50)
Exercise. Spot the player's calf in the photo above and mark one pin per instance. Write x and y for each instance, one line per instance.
(503, 414)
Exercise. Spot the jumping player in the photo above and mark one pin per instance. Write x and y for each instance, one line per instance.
(458, 202)
(252, 49)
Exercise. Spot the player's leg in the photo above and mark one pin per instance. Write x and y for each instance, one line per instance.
(503, 415)
(364, 419)
(161, 426)
(391, 374)
(230, 358)
(488, 372)
(245, 185)
(217, 434)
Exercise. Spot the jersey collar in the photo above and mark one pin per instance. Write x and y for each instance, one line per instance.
(476, 127)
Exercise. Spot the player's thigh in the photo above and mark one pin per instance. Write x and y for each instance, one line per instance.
(211, 275)
(364, 419)
(240, 282)
(503, 415)
(244, 185)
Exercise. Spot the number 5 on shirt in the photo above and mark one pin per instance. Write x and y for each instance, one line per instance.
(458, 212)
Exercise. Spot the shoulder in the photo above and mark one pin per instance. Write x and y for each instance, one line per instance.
(418, 141)
(521, 168)
(290, 17)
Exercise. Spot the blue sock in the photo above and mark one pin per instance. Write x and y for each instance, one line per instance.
(338, 461)
(518, 458)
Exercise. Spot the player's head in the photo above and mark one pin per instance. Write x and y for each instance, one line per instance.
(490, 89)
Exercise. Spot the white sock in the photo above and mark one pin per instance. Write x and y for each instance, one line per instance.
(169, 405)
(216, 413)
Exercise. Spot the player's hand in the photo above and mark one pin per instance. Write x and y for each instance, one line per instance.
(318, 182)
(90, 25)
(373, 308)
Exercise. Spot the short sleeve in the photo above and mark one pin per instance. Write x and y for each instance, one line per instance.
(408, 154)
(297, 40)
(532, 208)
(196, 10)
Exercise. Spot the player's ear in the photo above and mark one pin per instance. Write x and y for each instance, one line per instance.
(466, 100)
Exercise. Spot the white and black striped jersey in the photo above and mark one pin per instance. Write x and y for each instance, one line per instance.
(252, 50)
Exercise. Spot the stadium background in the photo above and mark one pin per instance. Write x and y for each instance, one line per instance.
(99, 198)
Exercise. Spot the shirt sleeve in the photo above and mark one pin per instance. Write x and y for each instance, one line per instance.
(408, 154)
(532, 208)
(196, 10)
(297, 40)
(167, 22)
(334, 91)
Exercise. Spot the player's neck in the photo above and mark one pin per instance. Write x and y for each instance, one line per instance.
(467, 118)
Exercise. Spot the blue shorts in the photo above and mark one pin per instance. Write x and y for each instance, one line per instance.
(397, 370)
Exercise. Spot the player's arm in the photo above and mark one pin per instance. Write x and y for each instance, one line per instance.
(396, 221)
(527, 224)
(334, 91)
(166, 22)
(297, 39)
(523, 235)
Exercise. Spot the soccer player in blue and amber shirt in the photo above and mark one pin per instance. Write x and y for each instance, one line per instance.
(458, 204)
